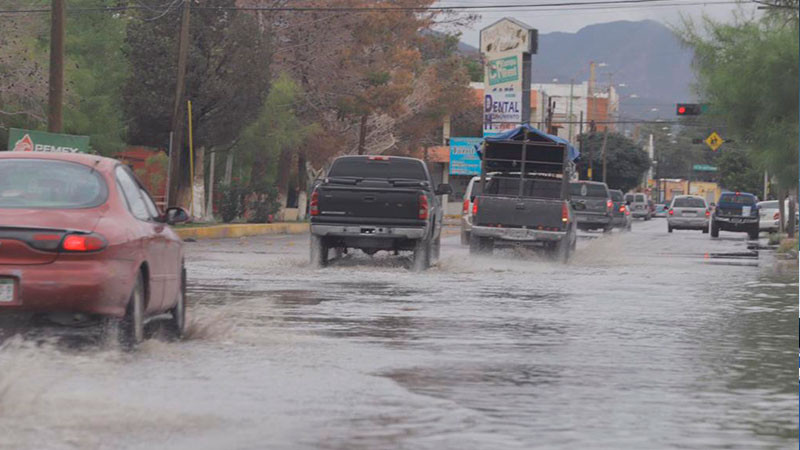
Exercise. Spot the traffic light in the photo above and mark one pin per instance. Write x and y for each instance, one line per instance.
(688, 109)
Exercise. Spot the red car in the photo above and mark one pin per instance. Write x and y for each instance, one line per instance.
(81, 240)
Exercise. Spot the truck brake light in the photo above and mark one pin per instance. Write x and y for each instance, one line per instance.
(671, 212)
(313, 206)
(708, 212)
(423, 207)
(465, 209)
(475, 207)
(378, 158)
(564, 213)
(609, 205)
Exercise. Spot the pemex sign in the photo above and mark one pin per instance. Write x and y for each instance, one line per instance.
(39, 141)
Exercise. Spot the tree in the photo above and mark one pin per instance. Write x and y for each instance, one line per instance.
(95, 69)
(227, 79)
(737, 172)
(748, 71)
(626, 162)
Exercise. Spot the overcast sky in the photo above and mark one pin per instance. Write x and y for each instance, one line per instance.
(571, 20)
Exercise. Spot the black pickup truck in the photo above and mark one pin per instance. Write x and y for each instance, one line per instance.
(526, 202)
(375, 203)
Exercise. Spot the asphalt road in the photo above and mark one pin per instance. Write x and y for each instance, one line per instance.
(645, 340)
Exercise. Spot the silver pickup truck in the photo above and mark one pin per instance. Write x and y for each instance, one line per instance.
(526, 202)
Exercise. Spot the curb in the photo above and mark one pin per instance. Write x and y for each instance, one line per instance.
(241, 229)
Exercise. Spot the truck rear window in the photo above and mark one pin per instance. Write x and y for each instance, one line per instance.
(407, 169)
(536, 188)
(689, 202)
(738, 199)
(616, 196)
(592, 190)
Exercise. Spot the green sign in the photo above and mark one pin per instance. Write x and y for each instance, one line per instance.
(704, 168)
(503, 70)
(40, 141)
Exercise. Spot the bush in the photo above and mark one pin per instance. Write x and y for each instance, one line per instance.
(231, 205)
(261, 203)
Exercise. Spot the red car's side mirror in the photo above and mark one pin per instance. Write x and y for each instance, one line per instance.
(175, 215)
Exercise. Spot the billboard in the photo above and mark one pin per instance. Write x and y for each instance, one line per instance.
(501, 111)
(464, 158)
(40, 141)
(503, 70)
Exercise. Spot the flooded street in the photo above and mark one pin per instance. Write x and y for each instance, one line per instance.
(645, 340)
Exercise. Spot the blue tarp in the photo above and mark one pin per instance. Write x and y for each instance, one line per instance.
(517, 133)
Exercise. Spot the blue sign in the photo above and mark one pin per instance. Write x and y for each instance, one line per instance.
(464, 158)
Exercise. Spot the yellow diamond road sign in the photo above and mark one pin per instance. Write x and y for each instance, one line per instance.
(713, 141)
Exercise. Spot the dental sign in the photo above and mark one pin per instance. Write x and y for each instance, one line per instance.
(40, 141)
(506, 47)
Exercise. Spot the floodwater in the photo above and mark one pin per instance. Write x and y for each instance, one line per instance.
(645, 340)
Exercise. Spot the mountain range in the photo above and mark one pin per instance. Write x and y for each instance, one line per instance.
(644, 56)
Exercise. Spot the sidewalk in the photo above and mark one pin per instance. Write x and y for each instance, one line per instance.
(230, 230)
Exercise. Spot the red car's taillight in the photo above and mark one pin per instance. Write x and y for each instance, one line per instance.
(83, 243)
(622, 208)
(423, 207)
(708, 212)
(313, 206)
(609, 205)
(671, 212)
(475, 207)
(564, 213)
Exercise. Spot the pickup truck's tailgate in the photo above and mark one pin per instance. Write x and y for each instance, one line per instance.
(351, 204)
(590, 205)
(518, 212)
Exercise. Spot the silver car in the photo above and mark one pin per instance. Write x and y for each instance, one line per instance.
(473, 189)
(688, 212)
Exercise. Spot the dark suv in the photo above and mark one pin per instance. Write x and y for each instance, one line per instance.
(736, 211)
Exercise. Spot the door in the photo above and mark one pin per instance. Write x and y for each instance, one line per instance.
(150, 236)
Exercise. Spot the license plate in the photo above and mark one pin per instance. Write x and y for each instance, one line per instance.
(690, 213)
(737, 220)
(6, 290)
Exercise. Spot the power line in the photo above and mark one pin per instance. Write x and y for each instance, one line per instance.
(506, 7)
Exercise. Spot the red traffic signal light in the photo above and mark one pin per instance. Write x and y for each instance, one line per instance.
(689, 109)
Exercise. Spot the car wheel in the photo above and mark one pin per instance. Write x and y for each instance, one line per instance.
(714, 230)
(753, 235)
(131, 327)
(607, 228)
(319, 252)
(422, 255)
(177, 323)
(705, 230)
(669, 229)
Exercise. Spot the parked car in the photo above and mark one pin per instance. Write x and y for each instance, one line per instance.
(639, 205)
(736, 211)
(621, 214)
(473, 190)
(661, 210)
(375, 203)
(81, 241)
(592, 204)
(769, 215)
(688, 212)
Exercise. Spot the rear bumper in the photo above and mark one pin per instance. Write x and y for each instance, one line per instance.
(587, 220)
(368, 231)
(733, 223)
(694, 223)
(92, 287)
(620, 221)
(518, 234)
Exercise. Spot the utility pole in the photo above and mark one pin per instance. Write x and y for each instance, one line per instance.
(592, 129)
(603, 151)
(55, 118)
(176, 124)
(571, 87)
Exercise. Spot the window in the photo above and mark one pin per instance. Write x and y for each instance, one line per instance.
(48, 184)
(364, 167)
(616, 196)
(132, 193)
(639, 198)
(737, 199)
(592, 190)
(689, 202)
(629, 198)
